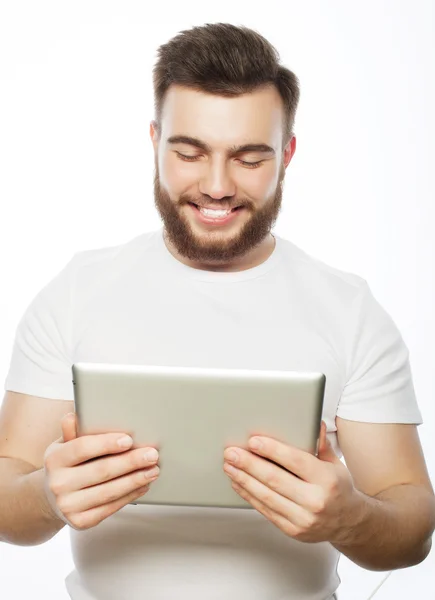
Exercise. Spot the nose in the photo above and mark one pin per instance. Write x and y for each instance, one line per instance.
(217, 183)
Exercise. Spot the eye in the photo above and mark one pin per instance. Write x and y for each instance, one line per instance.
(250, 165)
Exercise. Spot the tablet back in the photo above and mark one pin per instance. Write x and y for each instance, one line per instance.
(192, 414)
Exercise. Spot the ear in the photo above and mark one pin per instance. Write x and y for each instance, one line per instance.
(154, 134)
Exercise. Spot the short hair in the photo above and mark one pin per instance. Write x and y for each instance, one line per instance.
(225, 60)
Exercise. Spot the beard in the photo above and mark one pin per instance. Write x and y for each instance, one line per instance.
(216, 246)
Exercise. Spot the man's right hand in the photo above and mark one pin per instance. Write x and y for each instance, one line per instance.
(83, 485)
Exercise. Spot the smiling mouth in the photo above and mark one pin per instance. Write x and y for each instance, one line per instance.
(199, 207)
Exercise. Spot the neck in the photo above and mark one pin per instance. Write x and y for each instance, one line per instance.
(252, 259)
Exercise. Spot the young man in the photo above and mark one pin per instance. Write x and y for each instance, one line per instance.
(215, 288)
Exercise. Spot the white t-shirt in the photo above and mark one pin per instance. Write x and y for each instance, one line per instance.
(136, 304)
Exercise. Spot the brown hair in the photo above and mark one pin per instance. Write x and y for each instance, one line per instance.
(226, 60)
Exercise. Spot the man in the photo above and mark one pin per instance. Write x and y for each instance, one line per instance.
(215, 288)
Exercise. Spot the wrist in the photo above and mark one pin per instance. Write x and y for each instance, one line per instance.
(47, 511)
(356, 514)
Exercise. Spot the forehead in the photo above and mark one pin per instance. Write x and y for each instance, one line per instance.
(223, 120)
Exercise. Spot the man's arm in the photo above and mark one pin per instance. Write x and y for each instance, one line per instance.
(49, 476)
(26, 518)
(396, 517)
(28, 424)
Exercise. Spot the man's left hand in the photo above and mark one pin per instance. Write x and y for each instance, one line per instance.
(311, 499)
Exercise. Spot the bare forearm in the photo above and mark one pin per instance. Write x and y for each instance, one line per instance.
(393, 529)
(26, 518)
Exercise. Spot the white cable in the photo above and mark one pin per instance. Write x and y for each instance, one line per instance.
(379, 585)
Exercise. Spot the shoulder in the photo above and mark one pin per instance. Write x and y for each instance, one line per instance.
(98, 258)
(318, 278)
(92, 270)
(92, 266)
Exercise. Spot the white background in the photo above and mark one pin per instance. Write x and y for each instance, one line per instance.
(76, 168)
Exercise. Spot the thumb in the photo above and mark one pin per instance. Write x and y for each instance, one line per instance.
(326, 452)
(69, 427)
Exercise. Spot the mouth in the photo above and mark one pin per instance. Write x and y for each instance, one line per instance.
(226, 208)
(215, 217)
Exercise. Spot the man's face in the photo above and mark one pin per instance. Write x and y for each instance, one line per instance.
(217, 177)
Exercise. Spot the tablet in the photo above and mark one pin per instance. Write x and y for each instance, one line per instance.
(192, 414)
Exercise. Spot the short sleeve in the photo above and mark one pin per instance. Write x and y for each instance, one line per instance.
(41, 363)
(379, 386)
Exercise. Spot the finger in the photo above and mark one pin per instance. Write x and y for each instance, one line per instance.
(87, 447)
(322, 437)
(270, 498)
(107, 468)
(69, 430)
(94, 516)
(277, 517)
(85, 499)
(271, 475)
(326, 451)
(300, 463)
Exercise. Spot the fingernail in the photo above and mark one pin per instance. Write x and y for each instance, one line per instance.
(255, 443)
(125, 441)
(151, 455)
(231, 456)
(230, 469)
(152, 472)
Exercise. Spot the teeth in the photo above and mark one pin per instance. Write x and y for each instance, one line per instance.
(214, 213)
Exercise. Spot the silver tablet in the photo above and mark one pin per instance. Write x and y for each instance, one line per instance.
(192, 414)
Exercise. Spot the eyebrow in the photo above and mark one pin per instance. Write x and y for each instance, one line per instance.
(232, 150)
